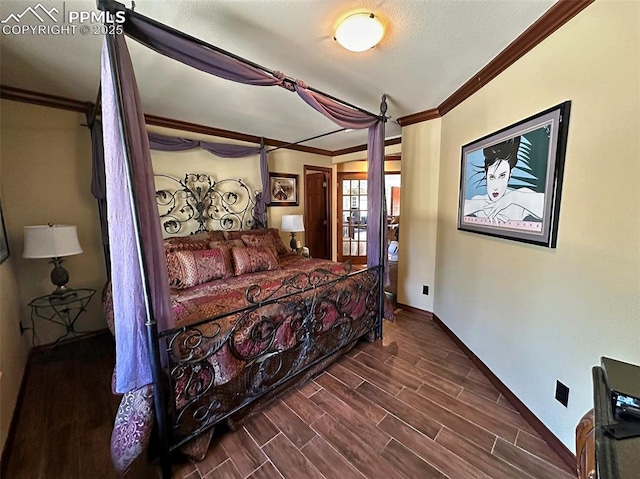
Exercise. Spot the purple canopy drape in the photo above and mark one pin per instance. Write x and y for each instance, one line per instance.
(140, 268)
(349, 118)
(98, 183)
(174, 44)
(137, 268)
(223, 150)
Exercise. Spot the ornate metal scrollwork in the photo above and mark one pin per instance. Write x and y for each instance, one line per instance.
(198, 203)
(277, 336)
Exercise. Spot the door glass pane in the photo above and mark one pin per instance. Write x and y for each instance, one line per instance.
(354, 217)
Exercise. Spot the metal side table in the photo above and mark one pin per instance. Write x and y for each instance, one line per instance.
(62, 309)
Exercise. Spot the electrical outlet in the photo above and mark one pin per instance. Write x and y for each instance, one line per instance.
(425, 289)
(562, 393)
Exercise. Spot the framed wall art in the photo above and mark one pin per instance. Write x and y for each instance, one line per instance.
(511, 180)
(284, 189)
(4, 243)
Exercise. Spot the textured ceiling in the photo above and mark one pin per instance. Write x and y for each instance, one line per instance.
(431, 48)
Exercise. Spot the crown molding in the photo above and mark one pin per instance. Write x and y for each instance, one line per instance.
(355, 149)
(232, 135)
(430, 114)
(55, 101)
(42, 99)
(554, 18)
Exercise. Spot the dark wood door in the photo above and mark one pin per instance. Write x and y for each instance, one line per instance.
(317, 233)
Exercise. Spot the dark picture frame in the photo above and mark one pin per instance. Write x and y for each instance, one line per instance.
(284, 189)
(4, 243)
(511, 180)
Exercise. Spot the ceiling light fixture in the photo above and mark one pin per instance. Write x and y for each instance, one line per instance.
(359, 32)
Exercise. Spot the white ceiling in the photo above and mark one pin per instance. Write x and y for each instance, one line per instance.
(431, 48)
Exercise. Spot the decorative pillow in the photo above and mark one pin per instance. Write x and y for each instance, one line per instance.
(253, 259)
(198, 241)
(227, 244)
(190, 268)
(260, 240)
(132, 427)
(281, 249)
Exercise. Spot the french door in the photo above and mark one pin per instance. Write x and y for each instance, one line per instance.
(352, 217)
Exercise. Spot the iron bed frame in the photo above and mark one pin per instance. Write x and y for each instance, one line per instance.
(293, 288)
(198, 203)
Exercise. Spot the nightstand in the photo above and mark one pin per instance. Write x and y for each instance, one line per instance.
(62, 309)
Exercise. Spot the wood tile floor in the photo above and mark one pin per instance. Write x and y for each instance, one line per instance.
(410, 406)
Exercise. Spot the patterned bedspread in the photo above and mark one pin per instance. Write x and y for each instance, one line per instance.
(282, 321)
(224, 295)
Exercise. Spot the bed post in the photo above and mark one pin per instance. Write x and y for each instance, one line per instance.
(383, 221)
(151, 323)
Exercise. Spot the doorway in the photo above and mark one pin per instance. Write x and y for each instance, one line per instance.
(352, 217)
(392, 196)
(317, 210)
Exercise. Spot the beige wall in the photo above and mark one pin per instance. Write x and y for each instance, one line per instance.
(531, 314)
(46, 174)
(419, 217)
(13, 348)
(361, 166)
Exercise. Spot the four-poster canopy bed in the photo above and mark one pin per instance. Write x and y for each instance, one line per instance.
(211, 325)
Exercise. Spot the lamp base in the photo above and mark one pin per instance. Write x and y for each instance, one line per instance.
(59, 277)
(293, 244)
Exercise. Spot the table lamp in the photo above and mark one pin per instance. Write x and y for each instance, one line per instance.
(292, 224)
(55, 242)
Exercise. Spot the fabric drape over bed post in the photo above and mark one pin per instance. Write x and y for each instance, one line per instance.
(139, 271)
(350, 118)
(223, 150)
(98, 182)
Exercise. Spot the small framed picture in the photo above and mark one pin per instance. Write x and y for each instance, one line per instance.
(511, 180)
(284, 189)
(4, 244)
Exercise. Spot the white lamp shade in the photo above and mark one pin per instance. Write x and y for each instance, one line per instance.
(50, 241)
(359, 32)
(292, 223)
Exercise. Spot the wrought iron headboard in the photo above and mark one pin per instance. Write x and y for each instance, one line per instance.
(199, 203)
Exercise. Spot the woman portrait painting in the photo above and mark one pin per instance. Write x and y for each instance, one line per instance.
(511, 180)
(505, 187)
